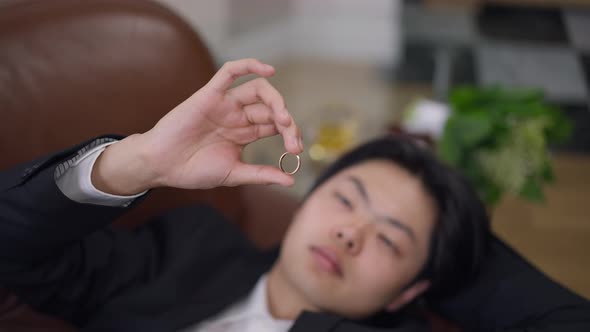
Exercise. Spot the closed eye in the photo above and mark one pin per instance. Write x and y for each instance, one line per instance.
(390, 244)
(345, 201)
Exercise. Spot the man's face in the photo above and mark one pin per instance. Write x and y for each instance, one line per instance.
(359, 239)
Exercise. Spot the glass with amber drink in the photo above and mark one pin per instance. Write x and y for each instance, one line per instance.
(334, 131)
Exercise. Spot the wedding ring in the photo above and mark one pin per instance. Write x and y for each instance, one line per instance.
(281, 163)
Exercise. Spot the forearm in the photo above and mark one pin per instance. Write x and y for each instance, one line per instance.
(126, 168)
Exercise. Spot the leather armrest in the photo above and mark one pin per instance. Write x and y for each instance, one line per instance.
(267, 213)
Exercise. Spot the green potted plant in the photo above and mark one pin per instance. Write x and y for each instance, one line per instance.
(499, 140)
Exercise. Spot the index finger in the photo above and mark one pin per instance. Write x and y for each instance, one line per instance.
(232, 70)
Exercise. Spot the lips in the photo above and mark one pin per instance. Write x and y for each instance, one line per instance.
(327, 260)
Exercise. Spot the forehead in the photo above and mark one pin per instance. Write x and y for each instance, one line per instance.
(382, 176)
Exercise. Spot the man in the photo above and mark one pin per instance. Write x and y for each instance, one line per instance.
(382, 227)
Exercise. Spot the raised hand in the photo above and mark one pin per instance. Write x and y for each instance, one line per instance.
(199, 143)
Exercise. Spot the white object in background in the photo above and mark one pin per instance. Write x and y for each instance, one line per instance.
(426, 117)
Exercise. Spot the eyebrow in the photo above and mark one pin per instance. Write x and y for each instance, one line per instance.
(360, 187)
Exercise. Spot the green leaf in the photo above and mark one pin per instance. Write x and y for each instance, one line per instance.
(448, 149)
(560, 128)
(469, 129)
(490, 194)
(532, 191)
(463, 98)
(524, 96)
(547, 172)
(530, 109)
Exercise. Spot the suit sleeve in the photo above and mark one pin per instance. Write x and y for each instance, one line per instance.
(59, 255)
(512, 295)
(35, 216)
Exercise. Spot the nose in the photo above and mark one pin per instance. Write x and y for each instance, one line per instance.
(350, 236)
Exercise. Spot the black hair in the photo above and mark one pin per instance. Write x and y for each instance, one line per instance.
(461, 232)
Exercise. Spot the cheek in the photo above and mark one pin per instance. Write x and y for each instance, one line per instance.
(311, 222)
(381, 273)
(308, 227)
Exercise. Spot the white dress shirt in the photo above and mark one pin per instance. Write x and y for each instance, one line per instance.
(77, 185)
(250, 314)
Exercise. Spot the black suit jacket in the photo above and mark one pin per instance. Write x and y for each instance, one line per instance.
(62, 258)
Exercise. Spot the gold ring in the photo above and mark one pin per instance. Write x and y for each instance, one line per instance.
(281, 163)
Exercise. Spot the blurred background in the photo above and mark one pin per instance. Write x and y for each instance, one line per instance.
(352, 70)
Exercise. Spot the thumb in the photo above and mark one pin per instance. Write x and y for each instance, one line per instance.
(259, 174)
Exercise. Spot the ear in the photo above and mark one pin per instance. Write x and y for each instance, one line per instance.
(407, 295)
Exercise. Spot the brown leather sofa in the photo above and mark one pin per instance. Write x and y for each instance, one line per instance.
(71, 70)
